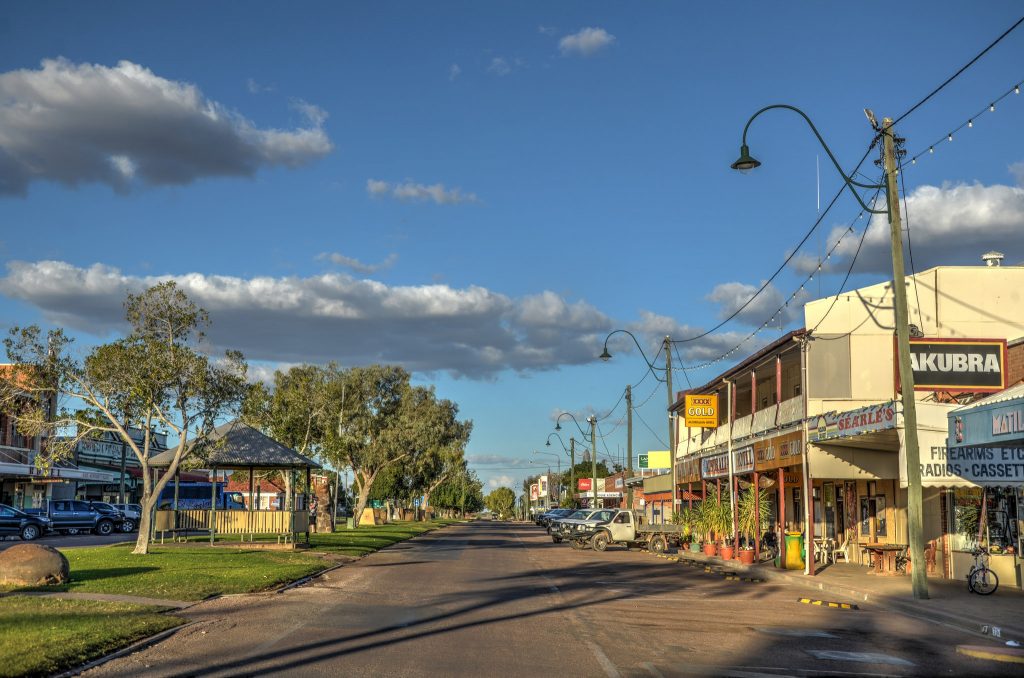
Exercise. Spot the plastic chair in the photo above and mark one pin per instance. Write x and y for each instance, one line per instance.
(843, 550)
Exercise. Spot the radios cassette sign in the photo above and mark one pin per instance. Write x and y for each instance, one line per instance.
(958, 365)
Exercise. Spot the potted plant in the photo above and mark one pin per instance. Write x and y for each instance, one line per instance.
(704, 523)
(723, 525)
(684, 519)
(750, 503)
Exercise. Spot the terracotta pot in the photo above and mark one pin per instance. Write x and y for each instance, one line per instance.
(726, 552)
(747, 556)
(709, 549)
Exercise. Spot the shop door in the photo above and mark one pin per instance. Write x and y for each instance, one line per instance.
(828, 500)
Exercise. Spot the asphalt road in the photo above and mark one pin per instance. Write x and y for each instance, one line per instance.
(496, 599)
(60, 541)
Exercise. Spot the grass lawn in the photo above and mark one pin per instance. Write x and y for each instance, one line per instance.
(176, 573)
(39, 636)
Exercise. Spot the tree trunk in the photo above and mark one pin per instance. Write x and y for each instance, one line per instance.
(145, 520)
(364, 496)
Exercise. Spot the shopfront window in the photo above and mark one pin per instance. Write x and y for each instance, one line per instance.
(872, 509)
(1000, 529)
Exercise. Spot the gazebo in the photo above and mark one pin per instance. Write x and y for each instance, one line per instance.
(239, 447)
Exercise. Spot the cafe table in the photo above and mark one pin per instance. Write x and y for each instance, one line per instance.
(883, 556)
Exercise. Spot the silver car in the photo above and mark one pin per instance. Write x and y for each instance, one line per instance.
(132, 516)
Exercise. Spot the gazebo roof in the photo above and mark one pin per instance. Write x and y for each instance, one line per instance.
(239, 446)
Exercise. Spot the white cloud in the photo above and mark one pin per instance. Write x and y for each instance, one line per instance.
(412, 191)
(949, 224)
(546, 30)
(501, 481)
(499, 66)
(257, 88)
(65, 122)
(470, 331)
(454, 71)
(358, 266)
(586, 43)
(730, 296)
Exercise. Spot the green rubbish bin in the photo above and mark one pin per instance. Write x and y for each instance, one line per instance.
(350, 523)
(794, 550)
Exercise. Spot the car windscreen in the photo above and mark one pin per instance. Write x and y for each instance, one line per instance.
(579, 515)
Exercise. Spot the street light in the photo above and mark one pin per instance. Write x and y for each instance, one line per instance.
(913, 456)
(667, 346)
(592, 420)
(571, 450)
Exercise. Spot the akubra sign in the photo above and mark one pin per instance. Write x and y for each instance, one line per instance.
(957, 365)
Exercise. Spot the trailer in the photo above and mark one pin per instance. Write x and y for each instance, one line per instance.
(627, 529)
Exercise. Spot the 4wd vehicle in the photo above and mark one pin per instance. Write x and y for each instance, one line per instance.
(110, 511)
(627, 529)
(28, 527)
(132, 516)
(546, 519)
(73, 516)
(579, 523)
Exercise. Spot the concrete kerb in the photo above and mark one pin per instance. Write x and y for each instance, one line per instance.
(973, 625)
(134, 647)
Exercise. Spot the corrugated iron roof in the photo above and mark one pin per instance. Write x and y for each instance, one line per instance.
(238, 445)
(1006, 394)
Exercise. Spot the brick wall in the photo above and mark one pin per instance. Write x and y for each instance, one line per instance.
(1015, 361)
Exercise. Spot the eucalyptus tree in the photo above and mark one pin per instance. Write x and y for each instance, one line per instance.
(155, 379)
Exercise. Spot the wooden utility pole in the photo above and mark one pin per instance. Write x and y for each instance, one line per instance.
(671, 428)
(629, 445)
(915, 522)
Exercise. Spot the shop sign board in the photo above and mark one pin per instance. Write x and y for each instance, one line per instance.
(717, 466)
(994, 424)
(542, 483)
(777, 452)
(654, 459)
(868, 419)
(701, 411)
(585, 484)
(957, 365)
(974, 465)
(534, 492)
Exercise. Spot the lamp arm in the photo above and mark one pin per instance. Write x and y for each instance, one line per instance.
(631, 336)
(850, 181)
(570, 415)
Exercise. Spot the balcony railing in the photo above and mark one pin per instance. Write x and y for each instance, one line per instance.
(775, 416)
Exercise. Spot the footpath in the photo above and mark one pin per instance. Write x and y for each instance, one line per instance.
(999, 616)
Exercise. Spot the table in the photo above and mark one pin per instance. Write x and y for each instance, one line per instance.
(883, 557)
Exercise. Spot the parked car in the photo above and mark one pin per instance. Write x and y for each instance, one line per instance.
(72, 516)
(577, 523)
(627, 528)
(549, 516)
(132, 516)
(28, 527)
(111, 512)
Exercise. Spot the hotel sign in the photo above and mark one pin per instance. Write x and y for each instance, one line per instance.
(957, 365)
(717, 466)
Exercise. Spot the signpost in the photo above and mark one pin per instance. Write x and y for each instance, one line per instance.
(701, 411)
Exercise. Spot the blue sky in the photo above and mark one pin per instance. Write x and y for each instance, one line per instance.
(482, 191)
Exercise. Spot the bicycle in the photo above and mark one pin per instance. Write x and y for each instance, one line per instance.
(980, 579)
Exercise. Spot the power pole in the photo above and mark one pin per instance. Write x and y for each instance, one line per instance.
(671, 431)
(572, 467)
(629, 444)
(915, 530)
(593, 456)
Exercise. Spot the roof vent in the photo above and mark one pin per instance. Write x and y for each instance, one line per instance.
(993, 258)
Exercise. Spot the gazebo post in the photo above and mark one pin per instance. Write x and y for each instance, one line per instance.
(177, 481)
(252, 535)
(309, 491)
(213, 505)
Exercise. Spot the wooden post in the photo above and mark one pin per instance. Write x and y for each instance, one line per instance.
(778, 388)
(757, 520)
(309, 491)
(782, 517)
(213, 505)
(753, 393)
(809, 546)
(689, 490)
(735, 515)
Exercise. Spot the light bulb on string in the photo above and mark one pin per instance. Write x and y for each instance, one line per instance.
(1016, 89)
(970, 123)
(931, 149)
(992, 108)
(950, 137)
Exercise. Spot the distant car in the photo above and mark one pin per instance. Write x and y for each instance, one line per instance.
(28, 527)
(554, 514)
(132, 516)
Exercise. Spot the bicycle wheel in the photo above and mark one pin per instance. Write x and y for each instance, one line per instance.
(984, 581)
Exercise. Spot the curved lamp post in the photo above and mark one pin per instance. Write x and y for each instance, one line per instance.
(667, 343)
(571, 451)
(913, 456)
(592, 420)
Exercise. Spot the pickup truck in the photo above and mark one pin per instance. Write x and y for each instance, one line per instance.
(579, 523)
(626, 528)
(77, 516)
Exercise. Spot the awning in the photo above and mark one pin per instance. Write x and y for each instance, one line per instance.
(30, 473)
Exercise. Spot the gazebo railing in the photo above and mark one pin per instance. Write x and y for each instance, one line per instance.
(233, 521)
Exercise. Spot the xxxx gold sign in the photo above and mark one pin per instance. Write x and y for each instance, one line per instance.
(701, 411)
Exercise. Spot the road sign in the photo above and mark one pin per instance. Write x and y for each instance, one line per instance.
(656, 459)
(701, 411)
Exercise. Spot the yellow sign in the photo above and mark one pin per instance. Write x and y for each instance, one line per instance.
(656, 459)
(701, 411)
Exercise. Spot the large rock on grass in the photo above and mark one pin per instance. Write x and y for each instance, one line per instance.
(33, 565)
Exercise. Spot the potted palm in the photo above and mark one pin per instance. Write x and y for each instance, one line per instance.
(684, 519)
(704, 523)
(752, 505)
(723, 525)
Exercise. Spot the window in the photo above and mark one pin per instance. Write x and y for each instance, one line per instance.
(79, 506)
(6, 513)
(622, 518)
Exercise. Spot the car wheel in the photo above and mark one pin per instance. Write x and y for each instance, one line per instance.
(578, 544)
(658, 544)
(128, 525)
(104, 528)
(29, 532)
(600, 541)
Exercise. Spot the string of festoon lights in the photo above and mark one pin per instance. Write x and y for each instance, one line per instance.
(969, 123)
(757, 330)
